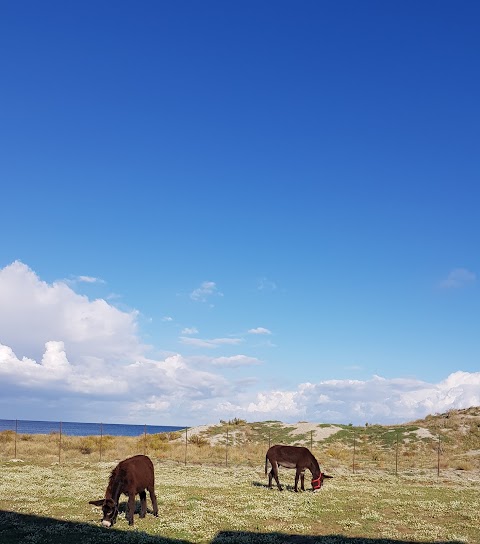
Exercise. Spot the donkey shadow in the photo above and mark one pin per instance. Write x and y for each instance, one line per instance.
(123, 507)
(285, 487)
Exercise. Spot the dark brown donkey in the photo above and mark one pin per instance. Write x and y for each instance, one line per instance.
(131, 477)
(294, 457)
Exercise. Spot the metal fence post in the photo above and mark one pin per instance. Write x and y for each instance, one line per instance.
(101, 440)
(438, 456)
(354, 450)
(226, 450)
(60, 444)
(16, 430)
(145, 439)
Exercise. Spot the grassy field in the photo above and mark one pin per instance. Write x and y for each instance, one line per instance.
(48, 503)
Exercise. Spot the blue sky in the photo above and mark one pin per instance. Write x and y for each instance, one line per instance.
(265, 210)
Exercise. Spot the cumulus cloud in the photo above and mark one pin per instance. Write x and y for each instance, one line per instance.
(458, 278)
(33, 312)
(377, 400)
(54, 373)
(56, 345)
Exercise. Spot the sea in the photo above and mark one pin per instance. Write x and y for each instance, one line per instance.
(73, 428)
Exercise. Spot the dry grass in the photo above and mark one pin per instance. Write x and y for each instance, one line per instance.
(445, 441)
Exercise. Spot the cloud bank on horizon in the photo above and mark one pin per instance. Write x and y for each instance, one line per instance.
(64, 356)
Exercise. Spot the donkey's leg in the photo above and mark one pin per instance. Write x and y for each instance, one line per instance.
(130, 508)
(297, 475)
(302, 478)
(153, 498)
(143, 503)
(275, 475)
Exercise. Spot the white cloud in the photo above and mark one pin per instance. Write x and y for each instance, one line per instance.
(259, 330)
(75, 280)
(89, 279)
(190, 330)
(457, 278)
(54, 373)
(235, 361)
(206, 290)
(197, 342)
(33, 312)
(167, 319)
(377, 400)
(213, 343)
(64, 352)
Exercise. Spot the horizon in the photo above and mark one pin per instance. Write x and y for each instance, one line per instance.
(262, 211)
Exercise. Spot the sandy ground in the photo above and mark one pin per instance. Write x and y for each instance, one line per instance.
(423, 433)
(319, 433)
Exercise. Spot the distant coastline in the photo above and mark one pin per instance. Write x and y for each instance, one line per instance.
(72, 428)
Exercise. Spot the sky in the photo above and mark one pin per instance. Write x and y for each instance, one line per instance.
(262, 210)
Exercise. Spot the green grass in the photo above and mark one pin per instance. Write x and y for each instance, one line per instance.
(198, 504)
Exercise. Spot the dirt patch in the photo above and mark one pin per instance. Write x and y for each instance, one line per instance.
(423, 433)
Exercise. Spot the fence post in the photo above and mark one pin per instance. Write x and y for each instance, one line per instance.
(145, 439)
(396, 457)
(354, 450)
(438, 456)
(60, 444)
(186, 444)
(311, 440)
(226, 450)
(269, 439)
(101, 440)
(16, 430)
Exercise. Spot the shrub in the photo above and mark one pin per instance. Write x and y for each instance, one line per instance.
(88, 444)
(158, 442)
(464, 465)
(198, 440)
(7, 436)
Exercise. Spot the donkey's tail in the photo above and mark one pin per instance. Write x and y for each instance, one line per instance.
(266, 463)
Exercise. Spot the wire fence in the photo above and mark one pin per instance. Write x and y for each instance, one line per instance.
(357, 452)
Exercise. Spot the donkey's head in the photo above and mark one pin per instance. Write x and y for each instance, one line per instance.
(110, 511)
(318, 482)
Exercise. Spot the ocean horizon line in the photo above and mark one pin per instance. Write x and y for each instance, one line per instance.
(78, 428)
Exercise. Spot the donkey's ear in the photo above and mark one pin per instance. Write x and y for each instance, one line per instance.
(327, 476)
(97, 503)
